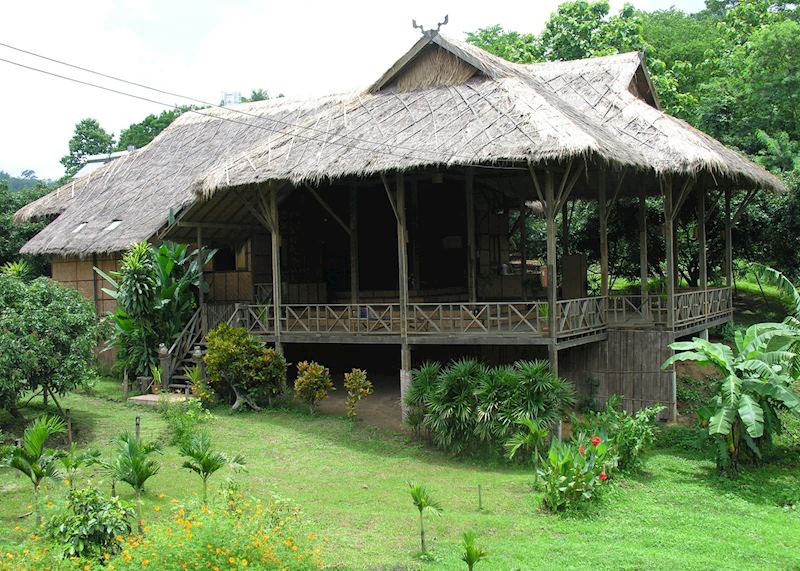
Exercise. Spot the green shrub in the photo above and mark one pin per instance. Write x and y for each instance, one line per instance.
(357, 387)
(184, 418)
(573, 473)
(91, 525)
(313, 383)
(48, 334)
(629, 436)
(241, 370)
(467, 407)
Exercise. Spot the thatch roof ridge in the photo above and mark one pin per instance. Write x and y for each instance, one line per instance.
(508, 114)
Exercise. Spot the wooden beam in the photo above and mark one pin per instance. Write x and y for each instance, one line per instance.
(353, 212)
(565, 229)
(276, 267)
(643, 269)
(390, 197)
(666, 189)
(602, 206)
(218, 226)
(687, 187)
(328, 209)
(728, 240)
(701, 239)
(741, 208)
(562, 187)
(472, 274)
(613, 201)
(570, 186)
(536, 187)
(402, 253)
(200, 294)
(523, 246)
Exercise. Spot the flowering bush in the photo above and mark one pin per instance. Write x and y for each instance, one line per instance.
(628, 436)
(91, 524)
(313, 383)
(358, 387)
(573, 472)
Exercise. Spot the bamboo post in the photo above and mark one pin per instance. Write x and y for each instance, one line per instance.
(472, 277)
(552, 277)
(643, 269)
(201, 295)
(728, 240)
(164, 364)
(353, 245)
(138, 429)
(666, 186)
(702, 254)
(402, 259)
(602, 206)
(276, 267)
(480, 498)
(68, 415)
(523, 246)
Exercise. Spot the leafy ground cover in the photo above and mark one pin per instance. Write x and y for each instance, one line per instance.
(351, 482)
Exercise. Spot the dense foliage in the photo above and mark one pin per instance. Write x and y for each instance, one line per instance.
(573, 472)
(358, 387)
(91, 526)
(756, 382)
(242, 370)
(729, 70)
(629, 436)
(89, 138)
(13, 235)
(48, 334)
(154, 289)
(469, 407)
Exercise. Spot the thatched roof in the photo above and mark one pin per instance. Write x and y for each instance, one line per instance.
(445, 103)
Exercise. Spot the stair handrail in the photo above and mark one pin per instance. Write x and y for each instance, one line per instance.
(188, 337)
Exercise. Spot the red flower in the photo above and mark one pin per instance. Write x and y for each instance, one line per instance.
(596, 440)
(603, 476)
(581, 450)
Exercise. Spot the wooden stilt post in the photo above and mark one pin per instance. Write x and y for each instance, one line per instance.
(643, 269)
(353, 245)
(602, 207)
(523, 246)
(702, 254)
(276, 266)
(728, 240)
(552, 274)
(402, 258)
(472, 278)
(669, 213)
(201, 295)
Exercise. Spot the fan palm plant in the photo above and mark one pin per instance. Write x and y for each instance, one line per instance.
(532, 437)
(204, 461)
(33, 459)
(756, 382)
(426, 504)
(134, 466)
(473, 554)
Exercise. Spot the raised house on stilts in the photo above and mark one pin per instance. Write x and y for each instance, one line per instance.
(379, 220)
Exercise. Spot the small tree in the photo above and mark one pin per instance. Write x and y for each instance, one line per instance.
(530, 437)
(74, 459)
(313, 383)
(358, 387)
(426, 504)
(473, 554)
(134, 466)
(48, 334)
(33, 459)
(204, 461)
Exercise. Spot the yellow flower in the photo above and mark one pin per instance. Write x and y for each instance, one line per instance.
(231, 560)
(294, 548)
(244, 562)
(66, 482)
(145, 562)
(157, 508)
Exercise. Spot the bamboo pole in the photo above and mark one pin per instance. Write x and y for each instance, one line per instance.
(276, 267)
(523, 246)
(602, 206)
(552, 277)
(666, 187)
(702, 253)
(728, 240)
(471, 246)
(402, 259)
(643, 270)
(353, 245)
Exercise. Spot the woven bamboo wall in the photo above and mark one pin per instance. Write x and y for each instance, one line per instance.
(627, 364)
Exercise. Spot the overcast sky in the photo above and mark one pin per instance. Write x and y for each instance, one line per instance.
(202, 49)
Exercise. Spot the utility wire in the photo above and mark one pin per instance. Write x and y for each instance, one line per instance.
(442, 156)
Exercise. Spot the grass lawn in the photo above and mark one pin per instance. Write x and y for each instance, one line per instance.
(350, 481)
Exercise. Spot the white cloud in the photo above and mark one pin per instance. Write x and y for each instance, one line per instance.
(301, 48)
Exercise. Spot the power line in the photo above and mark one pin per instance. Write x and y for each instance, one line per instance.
(442, 156)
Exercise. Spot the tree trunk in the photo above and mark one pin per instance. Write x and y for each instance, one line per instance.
(36, 510)
(139, 520)
(243, 398)
(422, 531)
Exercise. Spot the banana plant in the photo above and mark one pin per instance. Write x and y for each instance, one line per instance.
(33, 459)
(756, 382)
